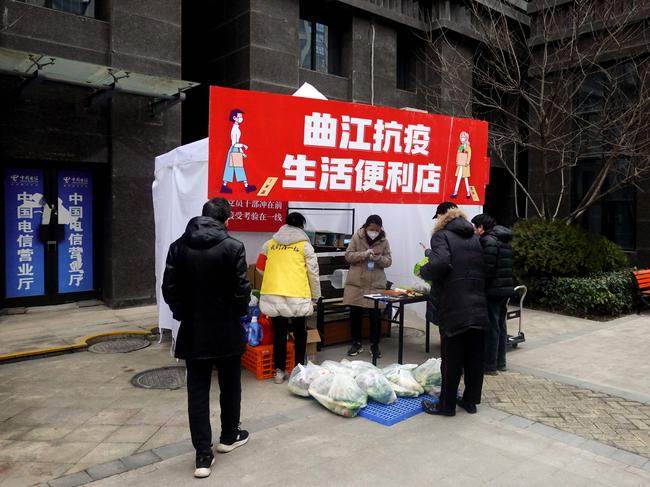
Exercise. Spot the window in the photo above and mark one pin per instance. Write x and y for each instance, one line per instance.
(79, 7)
(405, 63)
(614, 216)
(611, 92)
(319, 47)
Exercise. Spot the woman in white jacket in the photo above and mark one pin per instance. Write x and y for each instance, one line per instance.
(290, 283)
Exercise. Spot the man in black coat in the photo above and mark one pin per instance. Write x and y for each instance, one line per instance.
(206, 288)
(456, 269)
(499, 286)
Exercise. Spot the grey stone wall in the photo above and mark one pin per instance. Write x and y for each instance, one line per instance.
(54, 126)
(145, 37)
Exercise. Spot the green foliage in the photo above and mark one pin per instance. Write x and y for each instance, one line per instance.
(607, 294)
(545, 248)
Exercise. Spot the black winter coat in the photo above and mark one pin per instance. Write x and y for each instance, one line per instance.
(498, 262)
(456, 268)
(206, 288)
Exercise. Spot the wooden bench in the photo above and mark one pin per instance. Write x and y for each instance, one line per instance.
(642, 281)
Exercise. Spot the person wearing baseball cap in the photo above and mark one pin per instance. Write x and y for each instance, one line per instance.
(456, 270)
(443, 208)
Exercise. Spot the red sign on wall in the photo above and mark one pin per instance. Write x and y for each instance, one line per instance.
(257, 216)
(276, 147)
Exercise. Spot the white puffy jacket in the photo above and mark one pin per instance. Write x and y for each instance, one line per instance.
(289, 307)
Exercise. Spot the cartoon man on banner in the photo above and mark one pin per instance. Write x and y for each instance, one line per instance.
(463, 158)
(234, 167)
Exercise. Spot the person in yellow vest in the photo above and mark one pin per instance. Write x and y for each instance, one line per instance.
(290, 283)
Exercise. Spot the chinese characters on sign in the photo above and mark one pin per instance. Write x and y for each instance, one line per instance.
(75, 208)
(24, 252)
(256, 216)
(300, 149)
(347, 174)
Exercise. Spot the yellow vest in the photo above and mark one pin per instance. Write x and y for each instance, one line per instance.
(285, 273)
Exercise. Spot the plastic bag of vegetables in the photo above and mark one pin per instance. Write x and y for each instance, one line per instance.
(428, 374)
(302, 376)
(358, 366)
(373, 383)
(339, 393)
(402, 380)
(337, 368)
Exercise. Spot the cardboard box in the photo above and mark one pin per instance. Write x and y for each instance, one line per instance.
(339, 331)
(313, 338)
(254, 277)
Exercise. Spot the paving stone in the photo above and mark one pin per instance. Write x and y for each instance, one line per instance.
(518, 421)
(74, 480)
(138, 460)
(104, 470)
(613, 421)
(629, 458)
(174, 450)
(599, 448)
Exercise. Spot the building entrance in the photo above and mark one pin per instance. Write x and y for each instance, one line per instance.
(50, 235)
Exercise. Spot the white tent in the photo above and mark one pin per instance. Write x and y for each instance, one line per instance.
(180, 189)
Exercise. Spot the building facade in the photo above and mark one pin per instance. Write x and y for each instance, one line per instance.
(86, 106)
(366, 51)
(83, 142)
(607, 100)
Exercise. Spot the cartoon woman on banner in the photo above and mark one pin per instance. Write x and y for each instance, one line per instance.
(463, 159)
(234, 167)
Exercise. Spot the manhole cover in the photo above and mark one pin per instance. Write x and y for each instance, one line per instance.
(119, 345)
(163, 378)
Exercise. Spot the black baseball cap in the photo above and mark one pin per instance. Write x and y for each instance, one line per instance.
(443, 208)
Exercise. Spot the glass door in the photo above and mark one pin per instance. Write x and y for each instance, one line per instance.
(49, 236)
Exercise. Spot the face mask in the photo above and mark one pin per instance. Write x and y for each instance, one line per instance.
(372, 235)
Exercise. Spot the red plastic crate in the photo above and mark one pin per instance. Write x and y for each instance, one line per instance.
(259, 360)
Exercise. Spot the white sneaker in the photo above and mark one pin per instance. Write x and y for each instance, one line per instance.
(242, 439)
(203, 467)
(279, 376)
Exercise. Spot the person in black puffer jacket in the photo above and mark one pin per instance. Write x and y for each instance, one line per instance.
(206, 288)
(456, 269)
(497, 252)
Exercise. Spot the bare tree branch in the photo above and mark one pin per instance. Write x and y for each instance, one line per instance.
(562, 92)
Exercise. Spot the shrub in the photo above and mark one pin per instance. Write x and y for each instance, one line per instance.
(607, 294)
(544, 248)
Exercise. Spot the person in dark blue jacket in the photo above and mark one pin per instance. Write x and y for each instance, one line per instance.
(456, 269)
(499, 286)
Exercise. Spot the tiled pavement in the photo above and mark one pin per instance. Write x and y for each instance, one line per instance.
(602, 417)
(78, 415)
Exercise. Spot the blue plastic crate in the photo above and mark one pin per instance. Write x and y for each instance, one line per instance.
(390, 414)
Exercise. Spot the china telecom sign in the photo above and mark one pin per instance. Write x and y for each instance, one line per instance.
(24, 251)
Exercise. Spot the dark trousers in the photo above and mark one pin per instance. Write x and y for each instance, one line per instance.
(356, 316)
(497, 335)
(199, 378)
(281, 326)
(462, 354)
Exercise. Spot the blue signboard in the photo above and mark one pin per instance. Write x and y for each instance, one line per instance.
(24, 252)
(75, 208)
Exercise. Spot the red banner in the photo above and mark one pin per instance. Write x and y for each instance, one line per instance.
(257, 216)
(277, 147)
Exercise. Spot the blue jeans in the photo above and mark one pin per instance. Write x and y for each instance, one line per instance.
(497, 335)
(231, 173)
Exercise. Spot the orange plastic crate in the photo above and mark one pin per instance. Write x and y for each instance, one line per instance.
(259, 360)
